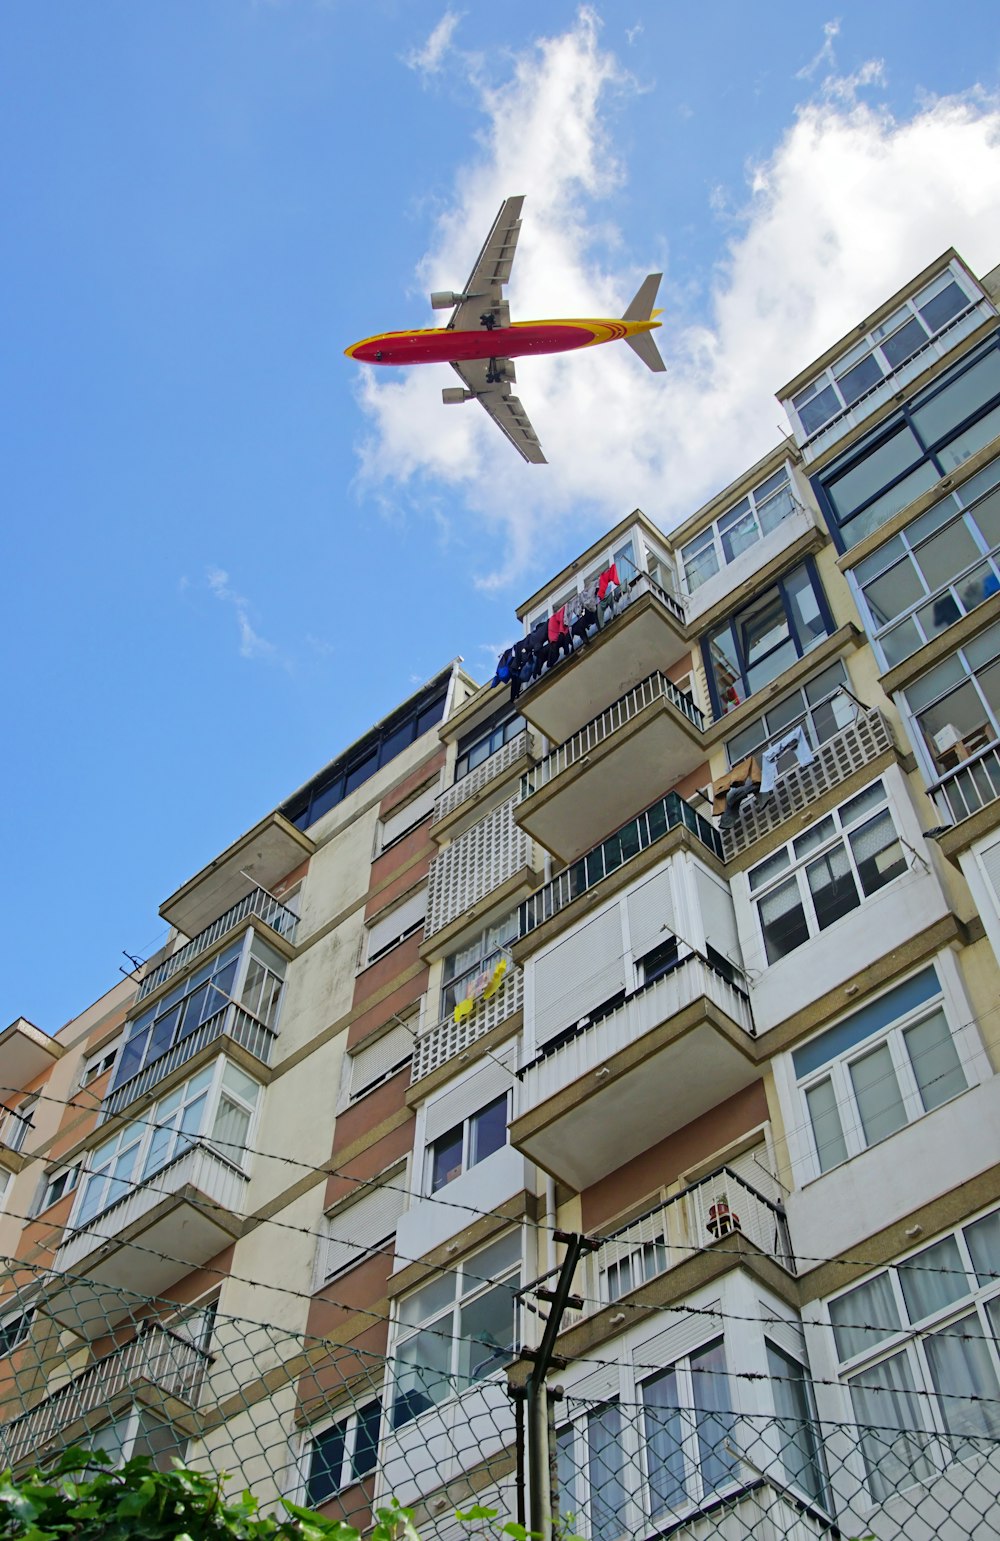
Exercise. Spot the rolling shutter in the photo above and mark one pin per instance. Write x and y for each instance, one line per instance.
(401, 819)
(651, 914)
(363, 1225)
(578, 974)
(663, 1348)
(391, 927)
(460, 1102)
(718, 916)
(989, 858)
(374, 1061)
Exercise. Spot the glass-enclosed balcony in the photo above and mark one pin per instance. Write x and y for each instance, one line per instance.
(647, 739)
(257, 903)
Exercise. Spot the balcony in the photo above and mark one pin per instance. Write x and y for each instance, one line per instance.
(972, 786)
(26, 1053)
(448, 1038)
(850, 750)
(493, 855)
(610, 1089)
(159, 1367)
(669, 1234)
(264, 855)
(670, 812)
(258, 903)
(468, 799)
(647, 632)
(647, 739)
(231, 1025)
(159, 1231)
(13, 1133)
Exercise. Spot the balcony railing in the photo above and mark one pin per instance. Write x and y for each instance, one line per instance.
(157, 1357)
(854, 747)
(972, 785)
(471, 785)
(258, 902)
(447, 1038)
(645, 829)
(656, 687)
(13, 1129)
(719, 1205)
(232, 1022)
(474, 865)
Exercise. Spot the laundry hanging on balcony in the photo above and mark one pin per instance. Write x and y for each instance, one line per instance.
(737, 793)
(553, 637)
(484, 988)
(797, 741)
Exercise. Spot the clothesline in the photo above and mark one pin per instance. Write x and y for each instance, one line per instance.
(554, 637)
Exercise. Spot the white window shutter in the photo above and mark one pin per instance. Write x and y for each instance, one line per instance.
(651, 914)
(577, 974)
(360, 1227)
(665, 1347)
(460, 1102)
(398, 922)
(599, 1386)
(718, 916)
(375, 1060)
(989, 858)
(401, 819)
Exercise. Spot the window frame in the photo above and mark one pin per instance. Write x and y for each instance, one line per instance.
(465, 1131)
(349, 1421)
(15, 1328)
(923, 749)
(798, 866)
(410, 929)
(712, 538)
(489, 954)
(805, 718)
(502, 729)
(871, 345)
(733, 621)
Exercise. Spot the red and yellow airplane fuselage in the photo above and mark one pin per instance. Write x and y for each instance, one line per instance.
(439, 345)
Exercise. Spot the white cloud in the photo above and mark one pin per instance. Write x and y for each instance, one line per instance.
(831, 29)
(428, 59)
(851, 203)
(252, 644)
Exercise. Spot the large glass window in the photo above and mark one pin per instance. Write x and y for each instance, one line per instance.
(688, 1424)
(822, 707)
(824, 873)
(342, 1454)
(799, 1447)
(878, 1070)
(463, 968)
(217, 1106)
(478, 1136)
(472, 751)
(882, 351)
(762, 640)
(929, 437)
(929, 1392)
(249, 972)
(458, 1330)
(956, 705)
(741, 527)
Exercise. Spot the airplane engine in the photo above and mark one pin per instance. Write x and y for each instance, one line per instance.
(443, 299)
(453, 394)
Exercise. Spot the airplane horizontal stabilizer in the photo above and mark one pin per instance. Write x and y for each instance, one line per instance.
(643, 344)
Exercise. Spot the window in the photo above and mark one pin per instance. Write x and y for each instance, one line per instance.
(920, 1343)
(928, 438)
(467, 1144)
(882, 351)
(216, 1105)
(878, 1070)
(360, 1228)
(940, 567)
(248, 972)
(55, 1188)
(824, 873)
(380, 746)
(622, 557)
(822, 707)
(798, 1447)
(14, 1330)
(688, 1418)
(755, 516)
(394, 926)
(956, 705)
(375, 1061)
(660, 960)
(759, 642)
(98, 1064)
(342, 1454)
(393, 826)
(477, 747)
(456, 1330)
(480, 956)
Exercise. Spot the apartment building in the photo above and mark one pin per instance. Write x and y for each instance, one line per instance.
(683, 935)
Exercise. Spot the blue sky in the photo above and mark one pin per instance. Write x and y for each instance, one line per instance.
(228, 549)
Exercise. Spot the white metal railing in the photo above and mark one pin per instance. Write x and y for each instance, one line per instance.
(829, 432)
(655, 687)
(498, 763)
(13, 1129)
(594, 1043)
(258, 902)
(198, 1166)
(233, 1022)
(447, 1038)
(972, 785)
(156, 1356)
(855, 746)
(669, 1233)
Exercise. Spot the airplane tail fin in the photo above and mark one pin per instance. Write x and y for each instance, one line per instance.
(641, 309)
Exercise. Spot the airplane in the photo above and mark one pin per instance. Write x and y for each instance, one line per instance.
(480, 341)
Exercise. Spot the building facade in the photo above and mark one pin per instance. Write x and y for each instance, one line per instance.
(685, 936)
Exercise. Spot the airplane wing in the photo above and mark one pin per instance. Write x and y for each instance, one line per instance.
(484, 290)
(505, 409)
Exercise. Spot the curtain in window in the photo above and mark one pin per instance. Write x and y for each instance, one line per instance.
(828, 1132)
(934, 1058)
(893, 1443)
(965, 1380)
(664, 1444)
(880, 1104)
(605, 1467)
(715, 1418)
